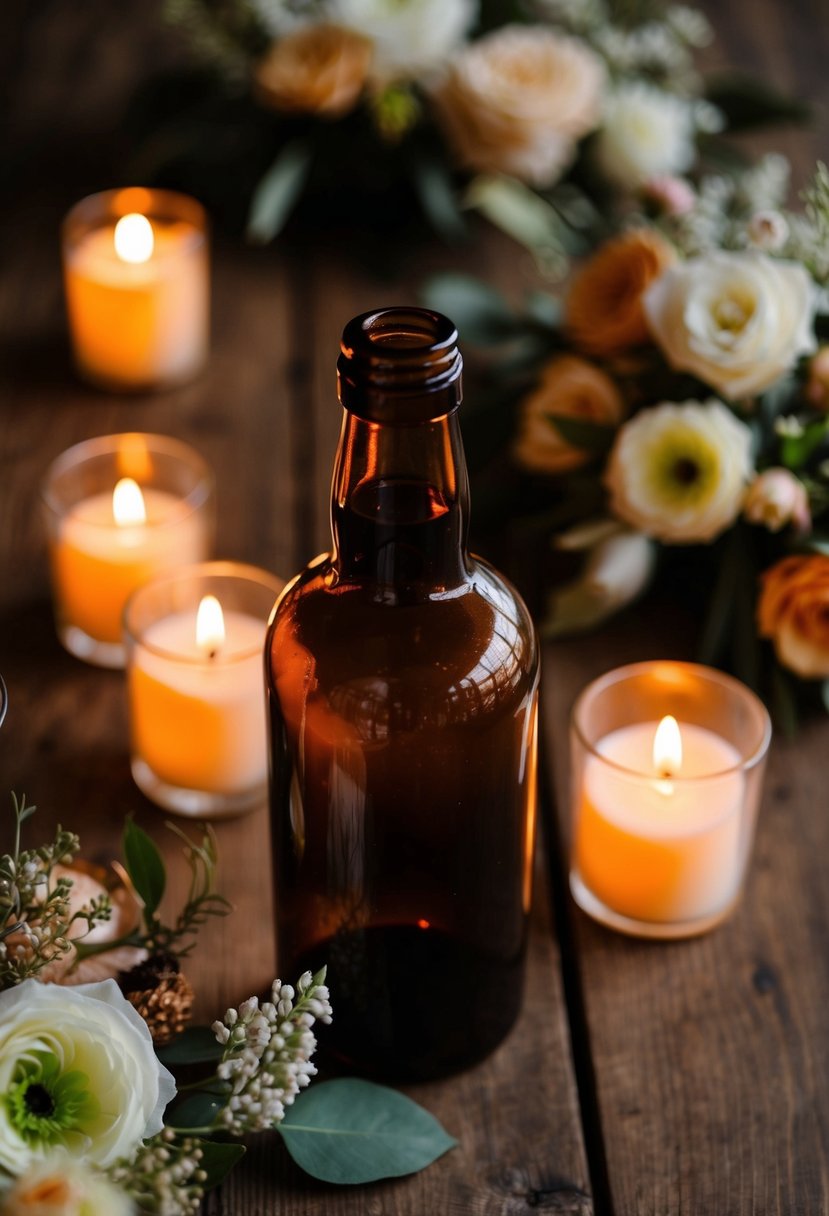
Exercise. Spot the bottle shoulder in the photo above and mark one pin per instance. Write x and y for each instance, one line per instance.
(445, 657)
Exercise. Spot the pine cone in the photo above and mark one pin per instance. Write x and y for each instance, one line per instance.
(161, 993)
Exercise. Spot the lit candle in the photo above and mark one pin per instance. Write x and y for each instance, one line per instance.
(137, 287)
(106, 542)
(664, 807)
(196, 687)
(653, 847)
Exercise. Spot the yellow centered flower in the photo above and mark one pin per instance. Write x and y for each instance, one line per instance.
(679, 472)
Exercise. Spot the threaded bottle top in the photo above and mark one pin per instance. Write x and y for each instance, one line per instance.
(400, 365)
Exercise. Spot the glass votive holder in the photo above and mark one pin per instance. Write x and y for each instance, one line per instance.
(4, 700)
(196, 687)
(663, 815)
(120, 509)
(137, 284)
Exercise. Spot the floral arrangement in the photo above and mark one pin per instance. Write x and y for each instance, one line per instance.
(549, 115)
(92, 1121)
(677, 403)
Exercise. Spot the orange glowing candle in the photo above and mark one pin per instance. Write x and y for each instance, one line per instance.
(137, 289)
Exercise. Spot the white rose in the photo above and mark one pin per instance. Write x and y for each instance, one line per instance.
(517, 100)
(645, 133)
(679, 472)
(411, 37)
(59, 1187)
(738, 321)
(77, 1074)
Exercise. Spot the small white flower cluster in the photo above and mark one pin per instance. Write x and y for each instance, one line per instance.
(268, 1050)
(659, 50)
(738, 212)
(165, 1176)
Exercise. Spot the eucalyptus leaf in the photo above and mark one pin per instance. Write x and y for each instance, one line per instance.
(481, 314)
(144, 866)
(748, 102)
(352, 1131)
(217, 1160)
(435, 189)
(197, 1110)
(520, 213)
(593, 437)
(197, 1045)
(277, 191)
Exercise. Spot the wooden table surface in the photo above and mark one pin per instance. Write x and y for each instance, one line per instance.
(642, 1080)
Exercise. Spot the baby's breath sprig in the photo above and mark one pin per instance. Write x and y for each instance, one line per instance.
(268, 1049)
(165, 1177)
(35, 911)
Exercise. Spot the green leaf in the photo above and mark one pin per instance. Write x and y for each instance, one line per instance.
(783, 702)
(144, 866)
(522, 214)
(217, 1160)
(481, 314)
(720, 612)
(197, 1045)
(593, 437)
(748, 102)
(197, 1110)
(277, 192)
(436, 191)
(352, 1131)
(824, 692)
(795, 450)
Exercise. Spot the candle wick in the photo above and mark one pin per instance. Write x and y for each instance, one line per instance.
(211, 654)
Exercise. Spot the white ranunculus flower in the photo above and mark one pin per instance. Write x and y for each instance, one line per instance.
(78, 1074)
(58, 1187)
(645, 133)
(412, 38)
(517, 101)
(738, 321)
(679, 472)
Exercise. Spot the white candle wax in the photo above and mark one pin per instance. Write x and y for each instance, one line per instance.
(661, 850)
(198, 723)
(97, 563)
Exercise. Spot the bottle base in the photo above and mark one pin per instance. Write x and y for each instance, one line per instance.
(414, 1003)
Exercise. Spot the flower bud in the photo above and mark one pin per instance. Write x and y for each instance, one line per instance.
(776, 498)
(768, 230)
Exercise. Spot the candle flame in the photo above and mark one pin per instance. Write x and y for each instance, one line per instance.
(128, 503)
(134, 240)
(210, 625)
(667, 747)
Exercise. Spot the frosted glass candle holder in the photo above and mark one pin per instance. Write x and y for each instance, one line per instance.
(196, 688)
(136, 279)
(662, 826)
(120, 509)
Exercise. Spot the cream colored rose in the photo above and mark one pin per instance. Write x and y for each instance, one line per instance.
(645, 133)
(411, 38)
(78, 1074)
(776, 498)
(738, 321)
(679, 472)
(59, 1187)
(318, 69)
(517, 100)
(793, 610)
(571, 388)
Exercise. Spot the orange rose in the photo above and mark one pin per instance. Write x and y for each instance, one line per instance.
(794, 612)
(320, 69)
(604, 313)
(571, 388)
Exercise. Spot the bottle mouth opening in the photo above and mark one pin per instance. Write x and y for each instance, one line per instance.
(400, 364)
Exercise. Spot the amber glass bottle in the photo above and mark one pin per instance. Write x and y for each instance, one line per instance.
(402, 686)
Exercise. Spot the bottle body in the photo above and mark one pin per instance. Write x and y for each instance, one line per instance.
(402, 684)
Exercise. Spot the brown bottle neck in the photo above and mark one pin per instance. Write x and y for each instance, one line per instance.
(400, 504)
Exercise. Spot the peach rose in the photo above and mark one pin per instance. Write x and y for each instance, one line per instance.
(517, 100)
(794, 612)
(604, 313)
(571, 388)
(318, 69)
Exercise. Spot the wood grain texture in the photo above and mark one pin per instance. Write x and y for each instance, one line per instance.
(710, 1056)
